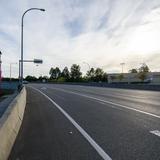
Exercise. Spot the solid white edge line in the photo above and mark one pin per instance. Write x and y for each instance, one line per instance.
(100, 151)
(109, 102)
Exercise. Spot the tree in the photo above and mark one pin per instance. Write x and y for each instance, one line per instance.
(105, 77)
(143, 70)
(91, 74)
(51, 72)
(65, 73)
(30, 78)
(55, 73)
(142, 75)
(99, 74)
(61, 79)
(75, 72)
(133, 70)
(42, 78)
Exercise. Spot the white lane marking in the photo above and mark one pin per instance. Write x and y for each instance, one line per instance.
(109, 102)
(100, 151)
(156, 132)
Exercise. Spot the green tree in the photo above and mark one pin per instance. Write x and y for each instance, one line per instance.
(91, 74)
(143, 70)
(65, 74)
(133, 70)
(41, 78)
(30, 78)
(99, 74)
(61, 79)
(75, 72)
(51, 72)
(105, 77)
(55, 73)
(142, 75)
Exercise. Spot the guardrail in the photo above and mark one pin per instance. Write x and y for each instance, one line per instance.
(10, 124)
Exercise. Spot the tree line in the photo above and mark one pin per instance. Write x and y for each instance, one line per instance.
(74, 74)
(141, 72)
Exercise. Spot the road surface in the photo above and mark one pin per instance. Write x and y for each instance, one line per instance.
(69, 122)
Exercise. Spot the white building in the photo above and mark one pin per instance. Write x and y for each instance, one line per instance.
(151, 77)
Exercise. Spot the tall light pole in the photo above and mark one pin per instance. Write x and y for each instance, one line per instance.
(11, 70)
(122, 64)
(40, 9)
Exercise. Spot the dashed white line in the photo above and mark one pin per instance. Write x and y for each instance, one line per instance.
(100, 151)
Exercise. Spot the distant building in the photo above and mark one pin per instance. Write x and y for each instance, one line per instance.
(151, 77)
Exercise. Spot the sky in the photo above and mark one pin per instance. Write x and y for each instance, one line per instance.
(102, 33)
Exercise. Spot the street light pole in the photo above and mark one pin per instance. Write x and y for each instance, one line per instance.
(21, 70)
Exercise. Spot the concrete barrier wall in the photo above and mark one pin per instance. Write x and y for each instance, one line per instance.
(10, 124)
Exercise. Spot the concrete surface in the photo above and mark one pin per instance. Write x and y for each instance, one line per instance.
(124, 123)
(10, 123)
(5, 102)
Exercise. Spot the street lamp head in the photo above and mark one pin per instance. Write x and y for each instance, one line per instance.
(42, 9)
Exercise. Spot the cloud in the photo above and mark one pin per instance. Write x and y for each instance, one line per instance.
(102, 33)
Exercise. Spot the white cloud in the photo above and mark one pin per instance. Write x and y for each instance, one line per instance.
(103, 33)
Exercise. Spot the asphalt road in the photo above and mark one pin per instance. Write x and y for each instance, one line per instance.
(65, 122)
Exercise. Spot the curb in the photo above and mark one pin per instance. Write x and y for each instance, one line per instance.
(10, 124)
